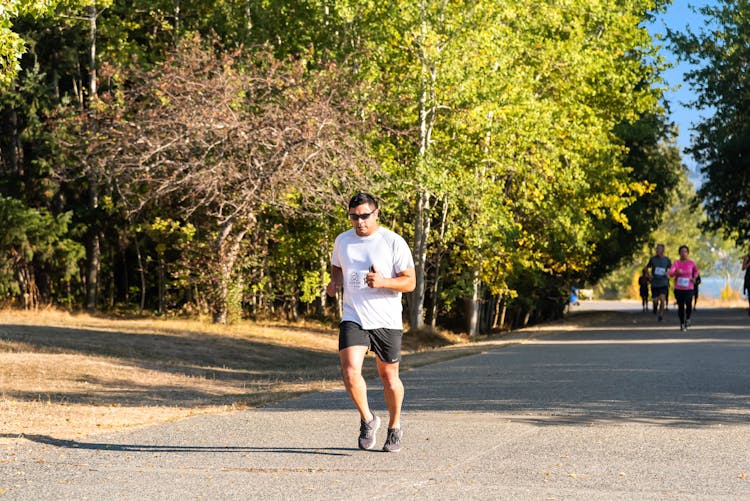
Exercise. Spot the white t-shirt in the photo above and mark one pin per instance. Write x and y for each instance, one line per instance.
(371, 308)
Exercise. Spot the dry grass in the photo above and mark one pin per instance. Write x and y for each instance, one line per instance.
(67, 376)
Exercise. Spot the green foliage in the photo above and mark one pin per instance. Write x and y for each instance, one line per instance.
(33, 238)
(312, 283)
(517, 109)
(234, 301)
(721, 146)
(526, 137)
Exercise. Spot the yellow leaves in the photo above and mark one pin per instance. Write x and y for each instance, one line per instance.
(641, 188)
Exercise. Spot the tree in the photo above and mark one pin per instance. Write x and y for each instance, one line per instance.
(719, 52)
(215, 141)
(507, 114)
(33, 241)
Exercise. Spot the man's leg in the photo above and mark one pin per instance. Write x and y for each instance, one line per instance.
(393, 389)
(662, 305)
(352, 359)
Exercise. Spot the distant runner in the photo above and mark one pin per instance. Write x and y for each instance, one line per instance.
(695, 292)
(643, 282)
(684, 272)
(658, 266)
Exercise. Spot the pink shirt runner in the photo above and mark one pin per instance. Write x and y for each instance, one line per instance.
(684, 273)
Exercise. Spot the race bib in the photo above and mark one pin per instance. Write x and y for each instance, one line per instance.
(683, 282)
(659, 271)
(357, 280)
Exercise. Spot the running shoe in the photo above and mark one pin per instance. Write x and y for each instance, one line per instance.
(683, 327)
(367, 430)
(688, 323)
(393, 442)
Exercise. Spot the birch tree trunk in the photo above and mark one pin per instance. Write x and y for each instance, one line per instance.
(422, 214)
(438, 261)
(473, 326)
(421, 233)
(91, 14)
(93, 244)
(475, 323)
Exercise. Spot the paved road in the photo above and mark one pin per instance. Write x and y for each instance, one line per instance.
(629, 409)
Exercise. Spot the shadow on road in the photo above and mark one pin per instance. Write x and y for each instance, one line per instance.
(113, 447)
(631, 370)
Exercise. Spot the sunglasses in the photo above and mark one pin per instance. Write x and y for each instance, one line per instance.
(363, 217)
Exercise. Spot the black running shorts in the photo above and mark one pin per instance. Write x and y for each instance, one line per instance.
(659, 291)
(385, 343)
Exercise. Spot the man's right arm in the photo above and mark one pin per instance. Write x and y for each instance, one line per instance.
(337, 279)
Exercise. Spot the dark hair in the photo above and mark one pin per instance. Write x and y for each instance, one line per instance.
(362, 198)
(683, 247)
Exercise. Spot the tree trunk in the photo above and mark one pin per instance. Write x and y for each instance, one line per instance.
(162, 280)
(503, 312)
(93, 262)
(473, 324)
(427, 107)
(323, 295)
(438, 261)
(29, 291)
(142, 274)
(92, 14)
(421, 233)
(177, 22)
(93, 244)
(112, 284)
(227, 251)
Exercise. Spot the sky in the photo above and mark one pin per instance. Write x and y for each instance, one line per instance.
(677, 17)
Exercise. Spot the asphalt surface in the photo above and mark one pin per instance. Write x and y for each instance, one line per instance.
(627, 409)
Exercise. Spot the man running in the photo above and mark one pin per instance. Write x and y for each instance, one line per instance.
(374, 265)
(643, 281)
(684, 272)
(696, 283)
(658, 266)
